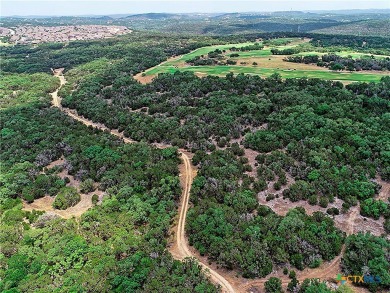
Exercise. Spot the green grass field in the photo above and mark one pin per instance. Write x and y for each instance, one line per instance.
(204, 51)
(264, 52)
(265, 69)
(265, 72)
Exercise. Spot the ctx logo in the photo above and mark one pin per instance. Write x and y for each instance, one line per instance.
(358, 279)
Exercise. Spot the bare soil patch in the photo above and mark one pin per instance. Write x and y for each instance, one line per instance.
(350, 222)
(144, 79)
(384, 193)
(45, 203)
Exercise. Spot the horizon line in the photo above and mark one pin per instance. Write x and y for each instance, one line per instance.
(187, 13)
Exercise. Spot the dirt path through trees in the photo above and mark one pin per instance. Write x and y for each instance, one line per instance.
(181, 249)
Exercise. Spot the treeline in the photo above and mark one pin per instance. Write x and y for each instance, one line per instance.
(131, 225)
(215, 57)
(373, 45)
(288, 51)
(314, 181)
(335, 62)
(332, 43)
(154, 47)
(212, 58)
(255, 46)
(329, 138)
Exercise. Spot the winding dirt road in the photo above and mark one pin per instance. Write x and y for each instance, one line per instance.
(182, 249)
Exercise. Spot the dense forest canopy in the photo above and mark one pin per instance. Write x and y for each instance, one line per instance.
(119, 244)
(313, 140)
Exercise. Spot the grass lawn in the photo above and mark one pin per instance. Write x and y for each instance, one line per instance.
(268, 64)
(205, 50)
(265, 72)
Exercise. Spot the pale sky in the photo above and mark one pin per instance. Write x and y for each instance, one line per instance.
(104, 7)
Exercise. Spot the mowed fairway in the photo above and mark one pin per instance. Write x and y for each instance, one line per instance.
(267, 64)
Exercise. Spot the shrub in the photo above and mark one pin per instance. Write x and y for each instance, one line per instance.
(292, 274)
(299, 190)
(273, 285)
(33, 215)
(260, 185)
(264, 210)
(387, 225)
(222, 142)
(333, 211)
(373, 208)
(87, 186)
(292, 286)
(13, 216)
(324, 202)
(270, 197)
(282, 179)
(277, 185)
(315, 263)
(28, 197)
(95, 199)
(262, 141)
(297, 261)
(67, 197)
(312, 200)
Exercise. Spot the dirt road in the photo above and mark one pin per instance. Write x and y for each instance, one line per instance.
(181, 249)
(56, 101)
(187, 173)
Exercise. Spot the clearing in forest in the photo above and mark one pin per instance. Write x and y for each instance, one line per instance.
(264, 63)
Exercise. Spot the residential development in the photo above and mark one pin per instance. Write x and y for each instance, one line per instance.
(44, 34)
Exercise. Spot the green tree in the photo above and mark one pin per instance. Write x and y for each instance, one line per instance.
(67, 197)
(273, 285)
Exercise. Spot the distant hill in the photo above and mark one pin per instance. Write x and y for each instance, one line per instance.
(362, 28)
(372, 22)
(152, 16)
(353, 11)
(242, 15)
